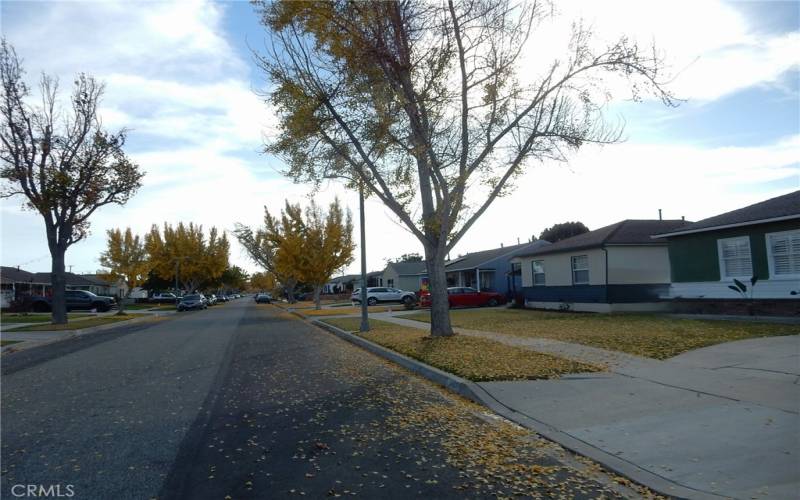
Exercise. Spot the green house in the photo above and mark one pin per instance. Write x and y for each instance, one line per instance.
(761, 240)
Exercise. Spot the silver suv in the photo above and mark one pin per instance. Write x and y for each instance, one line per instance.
(384, 294)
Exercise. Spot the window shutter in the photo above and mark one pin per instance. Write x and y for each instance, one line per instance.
(785, 250)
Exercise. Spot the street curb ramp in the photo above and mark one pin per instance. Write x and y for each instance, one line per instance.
(479, 395)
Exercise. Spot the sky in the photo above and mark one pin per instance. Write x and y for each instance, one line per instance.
(180, 77)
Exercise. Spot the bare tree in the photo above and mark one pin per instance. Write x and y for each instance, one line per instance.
(426, 104)
(63, 162)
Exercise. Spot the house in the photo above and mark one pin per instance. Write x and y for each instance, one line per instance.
(489, 270)
(405, 275)
(16, 284)
(615, 268)
(349, 282)
(761, 240)
(100, 285)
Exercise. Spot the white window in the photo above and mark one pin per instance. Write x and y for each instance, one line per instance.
(537, 267)
(783, 251)
(580, 269)
(734, 258)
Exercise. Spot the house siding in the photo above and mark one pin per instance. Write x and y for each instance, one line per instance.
(558, 268)
(611, 294)
(694, 258)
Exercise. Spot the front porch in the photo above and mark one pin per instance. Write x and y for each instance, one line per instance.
(480, 279)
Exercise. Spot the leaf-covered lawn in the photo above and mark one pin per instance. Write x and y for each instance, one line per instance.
(341, 311)
(34, 318)
(646, 335)
(9, 342)
(85, 323)
(472, 358)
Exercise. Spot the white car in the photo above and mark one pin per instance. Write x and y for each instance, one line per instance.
(384, 294)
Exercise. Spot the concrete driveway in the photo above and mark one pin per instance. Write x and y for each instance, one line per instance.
(720, 421)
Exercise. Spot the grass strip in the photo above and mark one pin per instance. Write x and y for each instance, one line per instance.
(87, 323)
(472, 358)
(648, 335)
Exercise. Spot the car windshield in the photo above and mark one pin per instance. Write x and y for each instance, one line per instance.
(191, 297)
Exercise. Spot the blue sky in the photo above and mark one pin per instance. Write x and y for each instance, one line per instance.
(180, 75)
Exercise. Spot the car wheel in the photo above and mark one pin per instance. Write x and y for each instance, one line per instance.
(492, 303)
(372, 301)
(407, 299)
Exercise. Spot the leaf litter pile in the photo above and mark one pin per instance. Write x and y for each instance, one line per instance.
(648, 335)
(472, 358)
(309, 415)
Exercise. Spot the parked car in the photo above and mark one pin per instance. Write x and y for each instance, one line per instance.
(467, 297)
(383, 294)
(192, 301)
(223, 298)
(76, 300)
(263, 298)
(164, 298)
(211, 299)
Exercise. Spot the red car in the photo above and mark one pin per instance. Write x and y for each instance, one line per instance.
(467, 297)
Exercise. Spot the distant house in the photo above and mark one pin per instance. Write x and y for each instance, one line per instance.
(614, 268)
(349, 282)
(489, 270)
(405, 275)
(761, 240)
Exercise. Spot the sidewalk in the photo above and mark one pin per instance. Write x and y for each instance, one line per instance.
(721, 420)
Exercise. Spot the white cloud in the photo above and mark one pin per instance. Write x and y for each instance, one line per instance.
(711, 49)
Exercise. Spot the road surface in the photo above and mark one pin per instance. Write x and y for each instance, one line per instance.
(246, 401)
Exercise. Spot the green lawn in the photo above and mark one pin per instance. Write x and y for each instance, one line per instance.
(87, 323)
(473, 358)
(35, 317)
(649, 335)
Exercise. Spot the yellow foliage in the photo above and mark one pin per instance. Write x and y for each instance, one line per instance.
(125, 257)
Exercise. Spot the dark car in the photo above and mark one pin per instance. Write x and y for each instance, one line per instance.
(468, 297)
(222, 298)
(76, 300)
(192, 301)
(263, 298)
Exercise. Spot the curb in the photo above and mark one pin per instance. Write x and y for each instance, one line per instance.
(479, 395)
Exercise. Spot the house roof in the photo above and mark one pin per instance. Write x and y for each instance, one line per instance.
(14, 275)
(409, 268)
(476, 259)
(95, 279)
(71, 278)
(784, 207)
(626, 232)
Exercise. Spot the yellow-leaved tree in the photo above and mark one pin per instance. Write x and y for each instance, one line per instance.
(183, 253)
(328, 245)
(301, 246)
(125, 258)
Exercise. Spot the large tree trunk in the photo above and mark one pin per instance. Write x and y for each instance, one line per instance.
(59, 281)
(317, 293)
(440, 308)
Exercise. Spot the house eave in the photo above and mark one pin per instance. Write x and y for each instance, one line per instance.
(727, 226)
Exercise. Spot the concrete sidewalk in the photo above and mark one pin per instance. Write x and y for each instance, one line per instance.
(723, 420)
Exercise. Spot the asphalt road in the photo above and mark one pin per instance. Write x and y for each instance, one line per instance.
(246, 401)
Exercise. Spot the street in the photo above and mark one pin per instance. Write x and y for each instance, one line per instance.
(246, 401)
